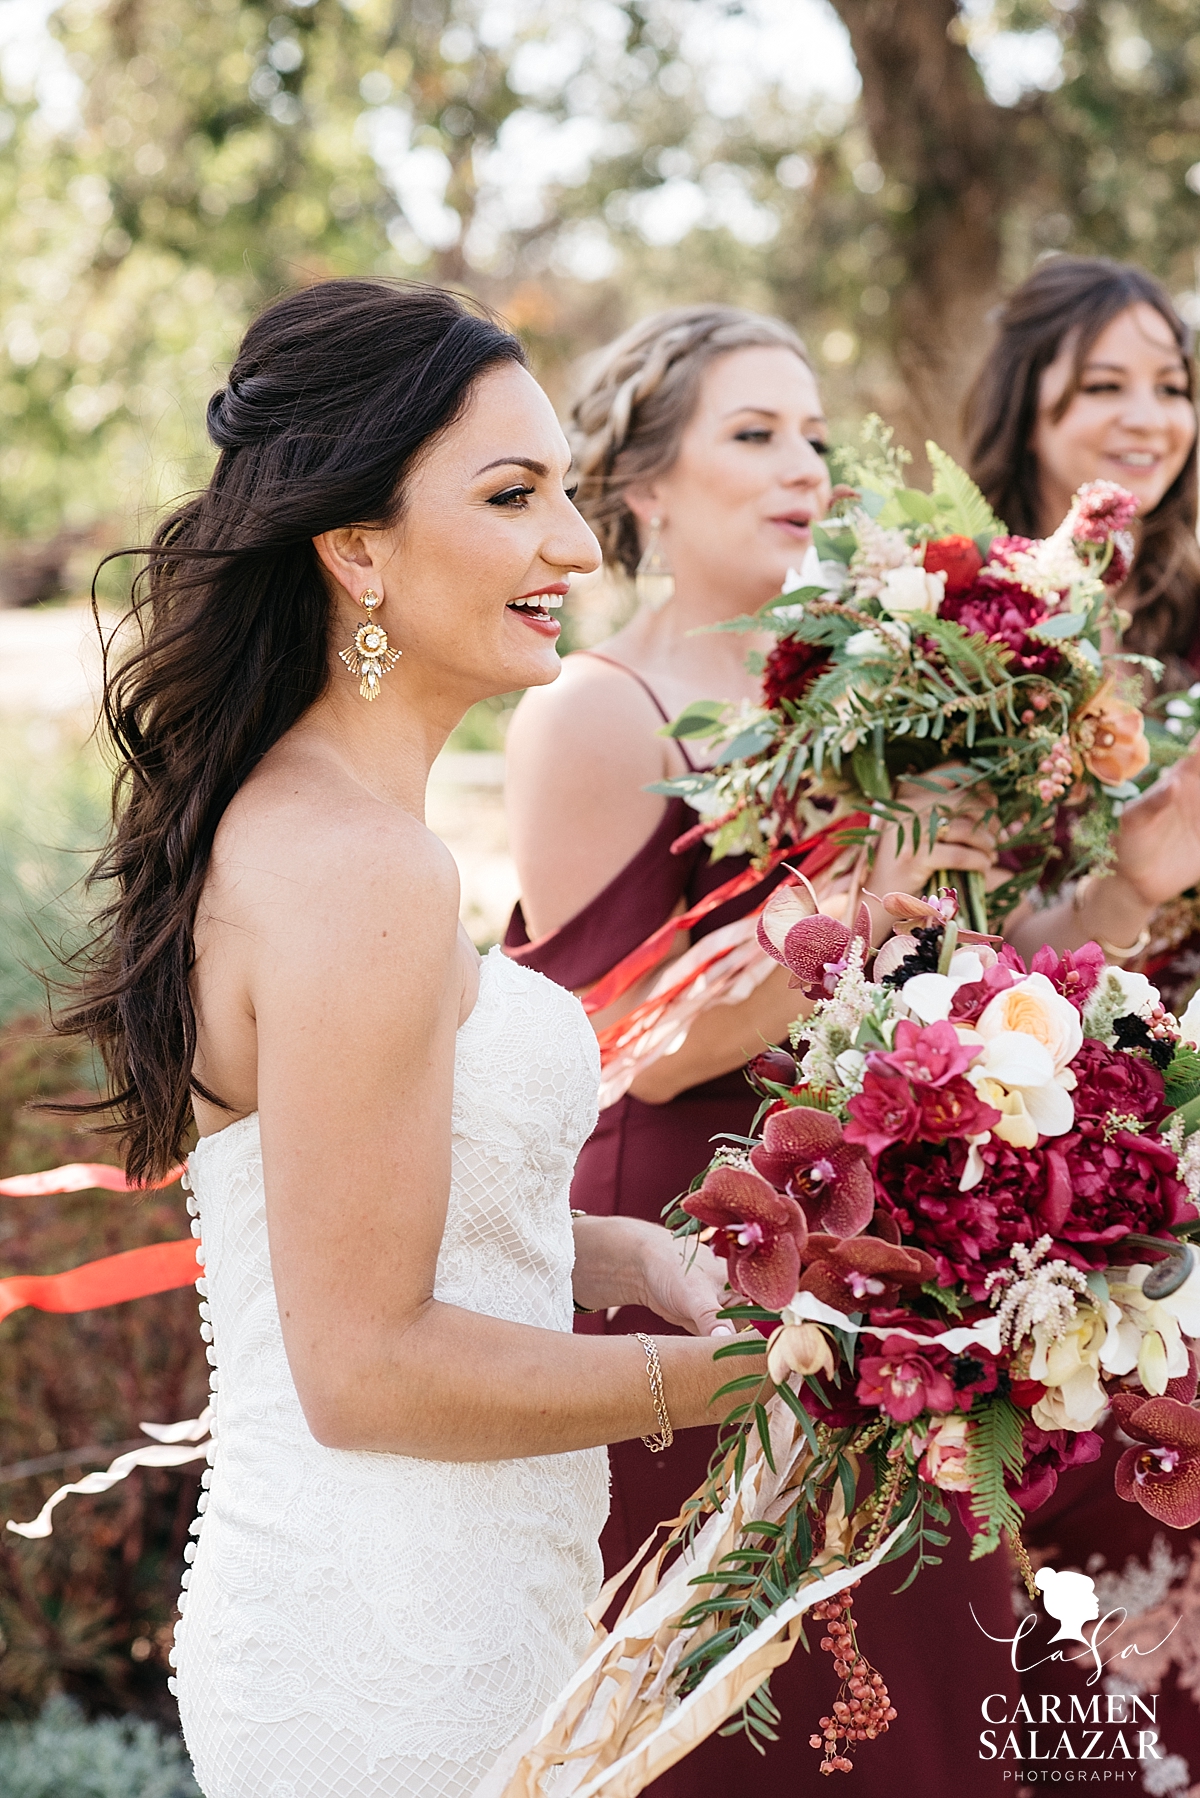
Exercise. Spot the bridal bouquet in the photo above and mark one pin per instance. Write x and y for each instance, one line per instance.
(919, 633)
(963, 1218)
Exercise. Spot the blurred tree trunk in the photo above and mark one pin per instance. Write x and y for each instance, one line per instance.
(937, 135)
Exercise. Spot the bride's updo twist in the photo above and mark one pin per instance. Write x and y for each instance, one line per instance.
(639, 394)
(335, 392)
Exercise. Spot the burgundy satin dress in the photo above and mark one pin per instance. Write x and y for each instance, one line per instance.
(938, 1663)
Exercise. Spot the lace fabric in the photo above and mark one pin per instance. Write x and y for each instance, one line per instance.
(372, 1623)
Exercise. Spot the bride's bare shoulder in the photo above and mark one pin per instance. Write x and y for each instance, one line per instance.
(304, 848)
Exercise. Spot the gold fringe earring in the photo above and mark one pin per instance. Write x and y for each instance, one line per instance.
(368, 658)
(655, 578)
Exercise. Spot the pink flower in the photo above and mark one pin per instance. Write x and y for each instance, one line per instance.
(928, 1055)
(944, 1462)
(804, 1154)
(1164, 1476)
(1099, 510)
(883, 1113)
(815, 947)
(904, 1382)
(1004, 613)
(759, 1231)
(1074, 973)
(972, 999)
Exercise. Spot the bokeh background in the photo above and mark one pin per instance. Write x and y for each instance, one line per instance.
(876, 171)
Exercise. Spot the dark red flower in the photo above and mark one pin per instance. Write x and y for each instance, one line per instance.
(1047, 1454)
(903, 1381)
(958, 558)
(1117, 1179)
(971, 1000)
(804, 1154)
(816, 948)
(968, 1233)
(1123, 551)
(1074, 973)
(790, 670)
(861, 1273)
(759, 1231)
(1004, 613)
(883, 1113)
(954, 1109)
(775, 1065)
(1163, 1476)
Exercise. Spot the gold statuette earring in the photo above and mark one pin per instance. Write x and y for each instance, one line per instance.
(655, 578)
(368, 657)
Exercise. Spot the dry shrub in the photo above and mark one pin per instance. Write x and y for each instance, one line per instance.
(88, 1612)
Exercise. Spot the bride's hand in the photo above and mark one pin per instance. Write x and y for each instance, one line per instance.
(686, 1285)
(627, 1261)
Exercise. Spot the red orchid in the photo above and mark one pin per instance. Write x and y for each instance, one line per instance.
(795, 931)
(903, 1381)
(805, 1154)
(759, 1231)
(861, 1273)
(1164, 1476)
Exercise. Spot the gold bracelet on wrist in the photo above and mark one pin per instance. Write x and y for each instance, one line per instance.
(1112, 951)
(666, 1435)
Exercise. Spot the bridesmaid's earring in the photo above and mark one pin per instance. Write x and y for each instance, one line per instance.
(368, 658)
(655, 578)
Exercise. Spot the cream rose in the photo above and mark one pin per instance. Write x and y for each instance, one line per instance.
(944, 1462)
(1033, 1008)
(907, 590)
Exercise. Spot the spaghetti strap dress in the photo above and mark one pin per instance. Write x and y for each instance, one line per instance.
(939, 1664)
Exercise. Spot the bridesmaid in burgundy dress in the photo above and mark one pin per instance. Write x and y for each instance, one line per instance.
(699, 443)
(1091, 378)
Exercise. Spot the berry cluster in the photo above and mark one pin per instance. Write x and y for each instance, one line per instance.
(1057, 770)
(861, 1710)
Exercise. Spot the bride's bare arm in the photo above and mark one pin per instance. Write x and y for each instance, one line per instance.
(357, 993)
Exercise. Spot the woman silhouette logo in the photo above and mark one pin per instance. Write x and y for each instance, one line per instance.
(1070, 1598)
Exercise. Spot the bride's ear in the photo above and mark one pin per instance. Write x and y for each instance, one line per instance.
(644, 502)
(349, 555)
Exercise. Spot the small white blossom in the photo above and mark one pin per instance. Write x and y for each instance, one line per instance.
(1044, 1298)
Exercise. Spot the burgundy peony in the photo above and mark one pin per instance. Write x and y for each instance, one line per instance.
(967, 1233)
(804, 1154)
(790, 670)
(759, 1231)
(1163, 1476)
(1004, 613)
(1047, 1454)
(958, 558)
(1114, 1178)
(903, 1381)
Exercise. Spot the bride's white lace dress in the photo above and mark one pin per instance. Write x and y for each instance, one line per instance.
(362, 1623)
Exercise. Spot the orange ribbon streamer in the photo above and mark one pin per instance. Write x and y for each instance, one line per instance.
(160, 1267)
(80, 1176)
(818, 851)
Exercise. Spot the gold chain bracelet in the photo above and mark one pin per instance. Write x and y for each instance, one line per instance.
(666, 1435)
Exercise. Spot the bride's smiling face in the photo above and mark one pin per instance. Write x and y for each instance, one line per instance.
(474, 572)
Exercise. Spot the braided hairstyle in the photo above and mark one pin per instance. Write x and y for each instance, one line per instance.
(639, 395)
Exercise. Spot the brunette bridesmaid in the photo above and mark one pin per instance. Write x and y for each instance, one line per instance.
(700, 441)
(1091, 378)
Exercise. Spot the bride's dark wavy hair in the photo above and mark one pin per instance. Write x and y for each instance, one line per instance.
(335, 392)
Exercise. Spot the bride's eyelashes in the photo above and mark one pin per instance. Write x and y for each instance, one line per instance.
(515, 498)
(760, 434)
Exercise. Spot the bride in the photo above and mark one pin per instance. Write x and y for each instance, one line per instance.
(399, 1526)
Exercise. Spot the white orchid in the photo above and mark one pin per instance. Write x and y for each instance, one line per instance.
(1148, 1334)
(929, 996)
(1067, 1362)
(1189, 1023)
